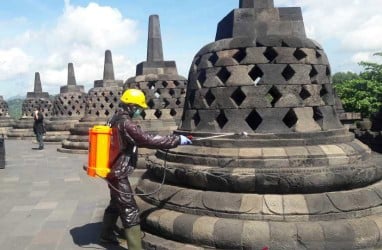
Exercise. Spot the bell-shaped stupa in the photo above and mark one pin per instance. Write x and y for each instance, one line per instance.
(164, 88)
(271, 165)
(23, 128)
(6, 122)
(101, 103)
(68, 109)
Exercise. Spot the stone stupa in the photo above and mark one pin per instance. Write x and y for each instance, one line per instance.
(372, 136)
(6, 122)
(164, 88)
(271, 165)
(23, 128)
(68, 109)
(101, 103)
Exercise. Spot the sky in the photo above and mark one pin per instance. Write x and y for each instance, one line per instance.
(44, 36)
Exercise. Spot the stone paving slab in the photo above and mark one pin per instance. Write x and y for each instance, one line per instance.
(48, 201)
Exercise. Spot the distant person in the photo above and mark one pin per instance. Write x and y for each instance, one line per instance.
(38, 127)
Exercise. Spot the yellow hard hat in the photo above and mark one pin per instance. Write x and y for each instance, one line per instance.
(134, 96)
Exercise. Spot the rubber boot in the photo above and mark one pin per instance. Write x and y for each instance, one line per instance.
(133, 236)
(107, 232)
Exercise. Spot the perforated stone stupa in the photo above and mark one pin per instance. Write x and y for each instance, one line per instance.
(6, 121)
(164, 89)
(280, 170)
(24, 126)
(372, 136)
(101, 102)
(68, 108)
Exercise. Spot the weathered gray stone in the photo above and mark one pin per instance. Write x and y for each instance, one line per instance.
(271, 165)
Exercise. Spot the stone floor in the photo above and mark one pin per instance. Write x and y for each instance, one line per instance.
(48, 202)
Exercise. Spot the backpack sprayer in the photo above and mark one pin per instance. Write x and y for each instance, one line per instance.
(104, 148)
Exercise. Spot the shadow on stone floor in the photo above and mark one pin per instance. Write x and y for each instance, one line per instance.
(87, 237)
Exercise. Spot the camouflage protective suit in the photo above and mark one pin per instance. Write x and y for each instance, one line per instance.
(131, 137)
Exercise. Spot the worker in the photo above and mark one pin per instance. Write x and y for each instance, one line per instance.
(131, 136)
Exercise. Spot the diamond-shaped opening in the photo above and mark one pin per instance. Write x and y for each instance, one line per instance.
(176, 83)
(299, 54)
(165, 103)
(151, 104)
(102, 106)
(317, 114)
(164, 84)
(256, 74)
(209, 97)
(158, 113)
(240, 55)
(213, 58)
(196, 119)
(202, 77)
(107, 112)
(284, 44)
(273, 96)
(328, 71)
(172, 112)
(304, 94)
(318, 54)
(223, 74)
(115, 99)
(313, 72)
(259, 44)
(172, 92)
(290, 118)
(254, 120)
(73, 107)
(221, 119)
(111, 93)
(151, 85)
(178, 102)
(106, 99)
(111, 105)
(97, 113)
(271, 54)
(103, 93)
(288, 73)
(238, 96)
(323, 90)
(70, 113)
(143, 114)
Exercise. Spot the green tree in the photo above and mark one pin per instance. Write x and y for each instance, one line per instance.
(15, 108)
(341, 77)
(363, 94)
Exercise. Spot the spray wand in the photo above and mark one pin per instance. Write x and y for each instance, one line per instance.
(244, 134)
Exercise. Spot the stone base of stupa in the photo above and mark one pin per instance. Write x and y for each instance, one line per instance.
(26, 133)
(252, 193)
(332, 220)
(58, 129)
(56, 136)
(78, 140)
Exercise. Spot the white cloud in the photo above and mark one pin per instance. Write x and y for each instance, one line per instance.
(80, 35)
(350, 28)
(13, 62)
